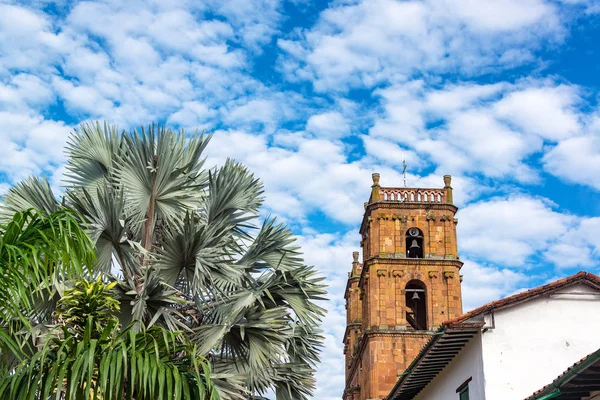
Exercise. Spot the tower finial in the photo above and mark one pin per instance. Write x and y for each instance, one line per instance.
(355, 257)
(375, 188)
(447, 181)
(375, 177)
(404, 171)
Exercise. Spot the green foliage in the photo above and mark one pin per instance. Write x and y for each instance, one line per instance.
(37, 250)
(87, 301)
(189, 254)
(87, 356)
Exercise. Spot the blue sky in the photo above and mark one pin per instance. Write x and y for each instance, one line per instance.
(315, 96)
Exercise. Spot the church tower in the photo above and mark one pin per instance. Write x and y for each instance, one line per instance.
(406, 286)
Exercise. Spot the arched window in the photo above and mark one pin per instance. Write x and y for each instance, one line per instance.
(414, 243)
(416, 302)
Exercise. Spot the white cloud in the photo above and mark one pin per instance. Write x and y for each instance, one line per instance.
(255, 21)
(576, 160)
(331, 125)
(192, 114)
(364, 43)
(579, 248)
(31, 144)
(456, 97)
(567, 255)
(391, 153)
(482, 284)
(510, 230)
(545, 111)
(25, 33)
(258, 110)
(504, 15)
(491, 129)
(24, 91)
(487, 145)
(314, 173)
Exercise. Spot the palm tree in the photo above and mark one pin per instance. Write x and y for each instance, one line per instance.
(188, 252)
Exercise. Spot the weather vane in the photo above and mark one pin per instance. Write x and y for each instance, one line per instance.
(404, 171)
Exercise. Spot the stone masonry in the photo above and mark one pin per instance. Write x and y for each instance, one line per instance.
(380, 342)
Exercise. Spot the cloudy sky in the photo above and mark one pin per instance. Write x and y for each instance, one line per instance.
(315, 96)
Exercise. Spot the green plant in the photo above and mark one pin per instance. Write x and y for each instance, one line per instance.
(38, 250)
(87, 355)
(189, 253)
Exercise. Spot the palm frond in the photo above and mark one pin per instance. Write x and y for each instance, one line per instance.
(273, 247)
(108, 226)
(151, 302)
(32, 193)
(235, 196)
(197, 255)
(92, 151)
(160, 176)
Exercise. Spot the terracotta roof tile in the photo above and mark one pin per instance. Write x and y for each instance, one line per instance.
(578, 277)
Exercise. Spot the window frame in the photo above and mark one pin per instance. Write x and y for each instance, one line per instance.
(464, 389)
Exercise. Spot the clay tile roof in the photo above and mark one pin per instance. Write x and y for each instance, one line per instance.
(570, 377)
(581, 276)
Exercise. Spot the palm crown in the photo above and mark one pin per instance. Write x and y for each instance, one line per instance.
(185, 244)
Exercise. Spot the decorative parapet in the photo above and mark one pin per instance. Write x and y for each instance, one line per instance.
(411, 195)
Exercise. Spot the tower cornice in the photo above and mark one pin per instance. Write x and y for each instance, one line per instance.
(406, 264)
(400, 205)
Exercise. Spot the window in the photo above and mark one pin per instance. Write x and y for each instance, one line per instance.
(416, 302)
(414, 243)
(463, 390)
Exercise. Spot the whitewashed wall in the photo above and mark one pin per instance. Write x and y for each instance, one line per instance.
(527, 346)
(538, 340)
(467, 364)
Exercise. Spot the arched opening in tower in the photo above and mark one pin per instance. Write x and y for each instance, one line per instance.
(416, 302)
(414, 243)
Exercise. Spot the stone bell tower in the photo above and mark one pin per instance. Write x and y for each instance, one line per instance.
(406, 286)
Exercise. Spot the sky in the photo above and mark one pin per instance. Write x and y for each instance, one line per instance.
(315, 96)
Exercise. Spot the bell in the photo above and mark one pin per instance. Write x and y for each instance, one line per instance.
(416, 296)
(414, 244)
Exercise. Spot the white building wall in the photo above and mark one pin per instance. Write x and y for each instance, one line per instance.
(537, 340)
(467, 364)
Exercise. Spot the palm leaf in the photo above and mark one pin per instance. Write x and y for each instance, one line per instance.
(32, 193)
(92, 151)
